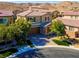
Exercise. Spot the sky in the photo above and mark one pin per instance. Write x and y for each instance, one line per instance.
(35, 0)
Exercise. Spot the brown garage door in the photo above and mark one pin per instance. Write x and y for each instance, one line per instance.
(35, 30)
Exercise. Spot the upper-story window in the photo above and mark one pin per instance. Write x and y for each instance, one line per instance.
(74, 17)
(3, 20)
(33, 19)
(71, 28)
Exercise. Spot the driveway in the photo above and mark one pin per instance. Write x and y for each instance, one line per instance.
(50, 52)
(38, 39)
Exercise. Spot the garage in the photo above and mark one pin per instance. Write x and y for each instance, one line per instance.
(35, 30)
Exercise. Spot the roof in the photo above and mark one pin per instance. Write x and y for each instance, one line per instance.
(35, 12)
(70, 22)
(70, 13)
(24, 13)
(5, 13)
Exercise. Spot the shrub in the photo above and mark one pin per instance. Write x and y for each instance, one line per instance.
(7, 53)
(59, 42)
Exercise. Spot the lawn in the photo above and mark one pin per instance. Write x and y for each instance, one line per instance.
(7, 53)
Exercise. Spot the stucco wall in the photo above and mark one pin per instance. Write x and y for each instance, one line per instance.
(71, 34)
(75, 29)
(71, 17)
(38, 18)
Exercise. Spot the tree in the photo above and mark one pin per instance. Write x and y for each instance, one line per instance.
(2, 32)
(58, 27)
(18, 31)
(55, 14)
(25, 26)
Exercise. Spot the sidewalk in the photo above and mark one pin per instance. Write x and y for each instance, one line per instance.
(51, 43)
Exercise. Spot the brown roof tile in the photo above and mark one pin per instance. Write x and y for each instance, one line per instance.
(5, 13)
(70, 12)
(70, 22)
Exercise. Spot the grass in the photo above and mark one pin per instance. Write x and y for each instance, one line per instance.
(59, 42)
(7, 53)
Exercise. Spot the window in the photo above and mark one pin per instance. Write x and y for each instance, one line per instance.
(71, 28)
(32, 19)
(77, 35)
(3, 20)
(76, 17)
(40, 19)
(71, 16)
(47, 19)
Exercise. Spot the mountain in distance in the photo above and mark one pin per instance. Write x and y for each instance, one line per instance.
(22, 6)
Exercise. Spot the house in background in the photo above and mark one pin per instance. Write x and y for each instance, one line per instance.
(40, 19)
(6, 17)
(71, 21)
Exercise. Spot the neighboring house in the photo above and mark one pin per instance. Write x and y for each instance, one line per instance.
(40, 19)
(6, 17)
(71, 21)
(74, 15)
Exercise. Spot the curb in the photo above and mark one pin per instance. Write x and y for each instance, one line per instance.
(40, 47)
(70, 47)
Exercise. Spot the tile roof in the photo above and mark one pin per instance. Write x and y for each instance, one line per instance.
(5, 13)
(35, 12)
(70, 22)
(24, 13)
(70, 12)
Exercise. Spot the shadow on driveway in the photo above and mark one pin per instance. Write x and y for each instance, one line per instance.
(31, 54)
(38, 39)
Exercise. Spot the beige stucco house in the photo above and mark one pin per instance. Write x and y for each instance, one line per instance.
(40, 19)
(71, 22)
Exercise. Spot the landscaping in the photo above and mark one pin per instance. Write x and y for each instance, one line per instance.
(60, 42)
(7, 53)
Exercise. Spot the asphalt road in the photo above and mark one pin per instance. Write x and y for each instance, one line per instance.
(51, 52)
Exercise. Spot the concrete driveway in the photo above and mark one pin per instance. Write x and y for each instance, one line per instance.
(50, 52)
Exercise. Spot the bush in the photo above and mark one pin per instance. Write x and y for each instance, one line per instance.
(7, 53)
(59, 42)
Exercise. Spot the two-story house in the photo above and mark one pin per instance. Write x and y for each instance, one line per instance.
(6, 17)
(40, 19)
(71, 22)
